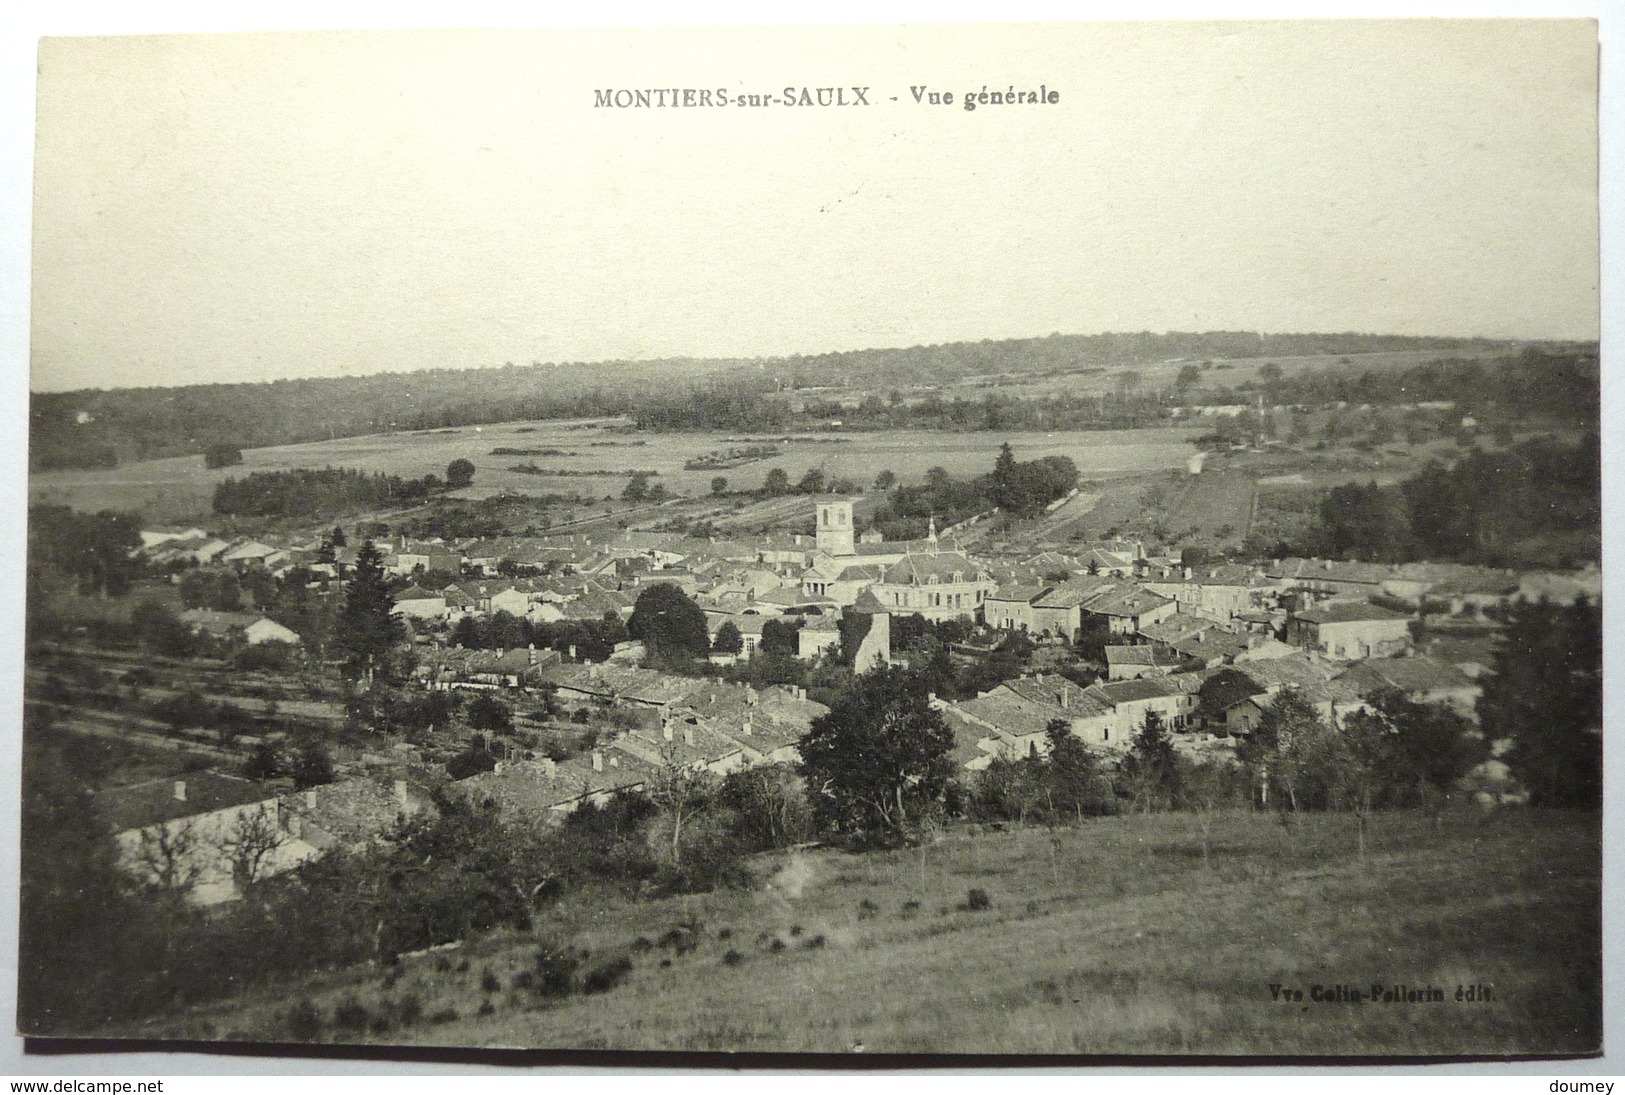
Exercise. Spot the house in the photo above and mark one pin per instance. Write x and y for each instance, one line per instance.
(209, 835)
(936, 585)
(1422, 679)
(250, 628)
(1350, 630)
(1225, 591)
(417, 603)
(1010, 606)
(1125, 663)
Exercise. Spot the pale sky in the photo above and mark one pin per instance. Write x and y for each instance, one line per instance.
(219, 208)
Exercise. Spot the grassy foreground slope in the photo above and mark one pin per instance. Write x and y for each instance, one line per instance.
(1110, 938)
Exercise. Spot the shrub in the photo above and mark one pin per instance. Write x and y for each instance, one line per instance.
(977, 900)
(490, 982)
(524, 979)
(725, 934)
(777, 946)
(409, 1010)
(732, 958)
(351, 1016)
(605, 976)
(487, 1008)
(795, 930)
(815, 942)
(555, 971)
(911, 908)
(442, 963)
(642, 943)
(444, 1015)
(304, 1021)
(867, 908)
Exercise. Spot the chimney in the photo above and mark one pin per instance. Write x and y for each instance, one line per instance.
(310, 800)
(750, 696)
(532, 651)
(1187, 574)
(400, 794)
(180, 790)
(1066, 696)
(614, 761)
(498, 770)
(801, 693)
(550, 767)
(665, 727)
(930, 697)
(688, 735)
(597, 761)
(572, 651)
(745, 730)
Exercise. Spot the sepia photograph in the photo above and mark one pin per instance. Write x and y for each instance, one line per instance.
(1072, 540)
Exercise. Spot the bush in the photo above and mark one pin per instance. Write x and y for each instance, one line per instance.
(816, 942)
(911, 908)
(303, 1022)
(555, 973)
(976, 900)
(867, 908)
(603, 977)
(409, 1010)
(732, 958)
(444, 1015)
(487, 1008)
(490, 982)
(351, 1016)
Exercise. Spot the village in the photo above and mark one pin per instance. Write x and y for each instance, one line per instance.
(1108, 633)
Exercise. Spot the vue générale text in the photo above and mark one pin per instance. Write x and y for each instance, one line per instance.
(850, 95)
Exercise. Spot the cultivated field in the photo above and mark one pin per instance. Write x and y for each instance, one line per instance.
(1216, 372)
(1111, 938)
(180, 488)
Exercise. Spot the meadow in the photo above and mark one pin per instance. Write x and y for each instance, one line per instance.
(1115, 937)
(180, 488)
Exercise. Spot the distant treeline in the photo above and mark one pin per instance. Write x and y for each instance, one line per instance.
(313, 492)
(1561, 383)
(97, 428)
(1537, 504)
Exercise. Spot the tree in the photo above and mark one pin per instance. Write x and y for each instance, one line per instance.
(728, 640)
(1073, 780)
(490, 714)
(367, 627)
(459, 474)
(886, 480)
(679, 789)
(670, 625)
(777, 483)
(1150, 770)
(878, 760)
(249, 843)
(719, 485)
(1007, 488)
(1270, 373)
(1221, 691)
(311, 765)
(812, 482)
(1545, 694)
(336, 537)
(1188, 376)
(1266, 751)
(637, 488)
(779, 637)
(769, 802)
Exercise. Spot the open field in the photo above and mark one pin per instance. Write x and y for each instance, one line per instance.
(1110, 938)
(180, 488)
